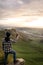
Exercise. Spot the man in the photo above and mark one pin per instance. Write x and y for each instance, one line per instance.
(7, 47)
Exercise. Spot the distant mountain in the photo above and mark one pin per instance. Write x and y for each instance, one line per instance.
(2, 27)
(31, 32)
(5, 27)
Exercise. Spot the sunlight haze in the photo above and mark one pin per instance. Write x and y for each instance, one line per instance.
(33, 22)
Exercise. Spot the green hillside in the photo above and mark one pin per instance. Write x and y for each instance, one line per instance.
(31, 50)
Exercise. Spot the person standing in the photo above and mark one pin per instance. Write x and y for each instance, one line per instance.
(7, 47)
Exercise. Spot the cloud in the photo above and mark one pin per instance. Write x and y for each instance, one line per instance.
(20, 2)
(11, 8)
(10, 4)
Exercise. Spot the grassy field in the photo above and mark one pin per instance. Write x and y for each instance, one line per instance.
(31, 51)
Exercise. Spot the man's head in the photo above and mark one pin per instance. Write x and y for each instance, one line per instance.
(8, 34)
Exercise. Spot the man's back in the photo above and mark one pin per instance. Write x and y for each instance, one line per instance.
(7, 46)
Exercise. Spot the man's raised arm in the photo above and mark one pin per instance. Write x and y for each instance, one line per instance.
(16, 39)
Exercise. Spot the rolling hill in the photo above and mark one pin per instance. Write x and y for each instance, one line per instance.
(31, 50)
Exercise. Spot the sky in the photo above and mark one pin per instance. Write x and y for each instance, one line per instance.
(24, 12)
